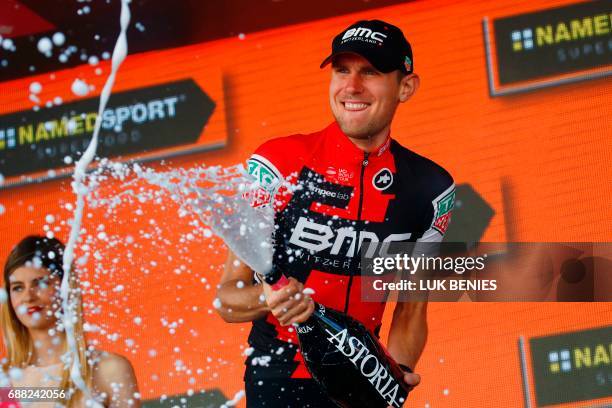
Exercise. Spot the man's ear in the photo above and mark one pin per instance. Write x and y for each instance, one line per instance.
(408, 86)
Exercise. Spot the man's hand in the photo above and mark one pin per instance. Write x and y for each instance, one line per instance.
(412, 380)
(288, 304)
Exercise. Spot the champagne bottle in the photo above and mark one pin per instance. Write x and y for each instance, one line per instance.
(346, 360)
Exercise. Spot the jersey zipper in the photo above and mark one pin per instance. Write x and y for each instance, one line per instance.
(364, 163)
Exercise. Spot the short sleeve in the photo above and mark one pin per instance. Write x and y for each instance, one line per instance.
(262, 167)
(443, 205)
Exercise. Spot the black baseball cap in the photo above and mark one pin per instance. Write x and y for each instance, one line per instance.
(381, 43)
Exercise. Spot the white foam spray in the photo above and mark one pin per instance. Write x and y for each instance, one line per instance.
(79, 87)
(221, 206)
(234, 401)
(45, 45)
(68, 306)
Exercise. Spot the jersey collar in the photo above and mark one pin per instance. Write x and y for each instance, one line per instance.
(347, 149)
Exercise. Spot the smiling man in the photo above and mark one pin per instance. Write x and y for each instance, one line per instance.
(357, 184)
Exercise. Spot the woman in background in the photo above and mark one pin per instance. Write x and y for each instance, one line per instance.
(34, 338)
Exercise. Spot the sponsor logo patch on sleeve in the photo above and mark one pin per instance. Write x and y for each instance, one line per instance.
(443, 206)
(268, 180)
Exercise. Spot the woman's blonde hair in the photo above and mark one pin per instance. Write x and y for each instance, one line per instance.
(17, 340)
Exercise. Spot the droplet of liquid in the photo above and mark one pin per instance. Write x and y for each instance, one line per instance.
(44, 45)
(79, 87)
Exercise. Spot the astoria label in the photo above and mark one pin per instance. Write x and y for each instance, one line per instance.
(368, 365)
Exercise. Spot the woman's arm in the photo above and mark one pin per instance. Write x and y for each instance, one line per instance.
(114, 378)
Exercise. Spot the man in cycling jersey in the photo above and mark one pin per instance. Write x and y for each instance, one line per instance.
(357, 184)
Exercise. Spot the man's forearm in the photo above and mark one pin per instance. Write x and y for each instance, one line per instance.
(240, 304)
(408, 333)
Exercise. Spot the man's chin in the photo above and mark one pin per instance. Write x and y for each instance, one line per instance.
(354, 131)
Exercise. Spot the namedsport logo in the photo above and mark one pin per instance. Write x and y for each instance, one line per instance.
(567, 359)
(560, 32)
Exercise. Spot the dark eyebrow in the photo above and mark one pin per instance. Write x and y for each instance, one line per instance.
(35, 280)
(368, 68)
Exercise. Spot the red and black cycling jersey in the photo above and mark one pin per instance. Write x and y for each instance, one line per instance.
(344, 197)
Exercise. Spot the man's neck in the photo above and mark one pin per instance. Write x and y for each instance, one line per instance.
(371, 143)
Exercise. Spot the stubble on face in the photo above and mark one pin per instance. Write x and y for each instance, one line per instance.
(361, 132)
(354, 80)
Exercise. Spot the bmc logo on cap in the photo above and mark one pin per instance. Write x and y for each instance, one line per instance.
(364, 32)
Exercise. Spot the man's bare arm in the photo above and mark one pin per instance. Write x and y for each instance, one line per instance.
(408, 332)
(240, 302)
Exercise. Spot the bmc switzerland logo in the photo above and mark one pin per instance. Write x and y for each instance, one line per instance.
(363, 34)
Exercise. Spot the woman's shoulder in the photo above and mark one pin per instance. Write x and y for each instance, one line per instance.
(113, 377)
(106, 362)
